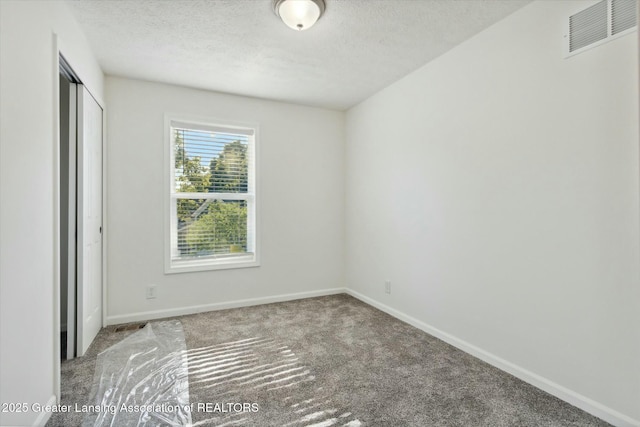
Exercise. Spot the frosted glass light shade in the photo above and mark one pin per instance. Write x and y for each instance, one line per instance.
(299, 14)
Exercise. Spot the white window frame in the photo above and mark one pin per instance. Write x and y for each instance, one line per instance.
(170, 196)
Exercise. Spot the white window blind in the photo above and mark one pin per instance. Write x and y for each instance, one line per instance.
(212, 196)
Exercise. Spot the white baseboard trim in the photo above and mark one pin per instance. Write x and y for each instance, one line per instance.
(588, 405)
(44, 416)
(159, 314)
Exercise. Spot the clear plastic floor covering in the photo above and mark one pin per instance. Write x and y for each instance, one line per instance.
(142, 380)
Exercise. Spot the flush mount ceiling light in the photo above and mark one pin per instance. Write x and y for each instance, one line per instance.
(299, 14)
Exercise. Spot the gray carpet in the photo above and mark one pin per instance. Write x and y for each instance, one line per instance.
(333, 361)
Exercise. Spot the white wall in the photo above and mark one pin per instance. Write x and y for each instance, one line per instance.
(28, 141)
(497, 188)
(301, 212)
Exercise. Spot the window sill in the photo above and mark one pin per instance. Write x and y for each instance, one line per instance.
(224, 263)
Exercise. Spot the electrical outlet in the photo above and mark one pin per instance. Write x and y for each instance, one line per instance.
(151, 292)
(387, 286)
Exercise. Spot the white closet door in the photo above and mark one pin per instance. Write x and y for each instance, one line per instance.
(89, 256)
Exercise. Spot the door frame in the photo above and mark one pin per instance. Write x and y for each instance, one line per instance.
(59, 50)
(71, 153)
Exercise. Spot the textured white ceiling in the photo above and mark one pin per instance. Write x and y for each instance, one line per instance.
(240, 46)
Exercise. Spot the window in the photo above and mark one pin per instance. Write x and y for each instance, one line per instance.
(211, 196)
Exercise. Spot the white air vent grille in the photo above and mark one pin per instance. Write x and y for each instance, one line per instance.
(588, 26)
(624, 14)
(600, 22)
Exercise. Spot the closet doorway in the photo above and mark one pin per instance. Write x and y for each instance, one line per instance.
(80, 214)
